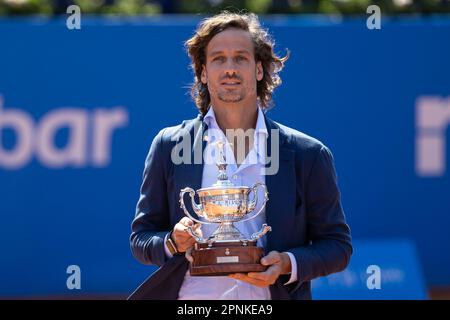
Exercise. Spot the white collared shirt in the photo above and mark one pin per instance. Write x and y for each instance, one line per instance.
(247, 174)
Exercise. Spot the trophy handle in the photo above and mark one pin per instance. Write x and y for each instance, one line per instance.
(197, 207)
(193, 234)
(253, 203)
(265, 228)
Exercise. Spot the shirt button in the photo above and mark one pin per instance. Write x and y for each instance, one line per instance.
(235, 177)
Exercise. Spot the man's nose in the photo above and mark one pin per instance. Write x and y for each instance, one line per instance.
(230, 68)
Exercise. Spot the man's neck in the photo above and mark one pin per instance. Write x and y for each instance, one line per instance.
(236, 116)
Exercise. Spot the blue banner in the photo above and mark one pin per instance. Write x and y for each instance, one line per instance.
(79, 109)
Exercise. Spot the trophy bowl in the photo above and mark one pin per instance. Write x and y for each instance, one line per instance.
(225, 205)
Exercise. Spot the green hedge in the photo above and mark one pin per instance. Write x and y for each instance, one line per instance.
(149, 7)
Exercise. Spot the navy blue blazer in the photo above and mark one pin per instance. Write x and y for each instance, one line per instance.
(304, 210)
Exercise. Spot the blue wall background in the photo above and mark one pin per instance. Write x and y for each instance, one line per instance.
(353, 88)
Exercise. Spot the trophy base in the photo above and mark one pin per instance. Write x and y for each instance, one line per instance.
(224, 258)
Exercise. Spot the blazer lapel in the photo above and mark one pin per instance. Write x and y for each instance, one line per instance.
(194, 172)
(281, 187)
(190, 174)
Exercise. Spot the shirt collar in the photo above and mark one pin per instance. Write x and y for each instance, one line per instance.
(260, 135)
(210, 120)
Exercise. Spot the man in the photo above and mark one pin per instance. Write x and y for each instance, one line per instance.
(236, 72)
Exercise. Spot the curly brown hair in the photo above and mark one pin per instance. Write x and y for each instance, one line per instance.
(263, 48)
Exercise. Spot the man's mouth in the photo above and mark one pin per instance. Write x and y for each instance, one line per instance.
(231, 83)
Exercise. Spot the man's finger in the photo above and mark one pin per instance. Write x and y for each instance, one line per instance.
(180, 227)
(272, 258)
(185, 221)
(271, 273)
(188, 255)
(245, 278)
(259, 276)
(182, 230)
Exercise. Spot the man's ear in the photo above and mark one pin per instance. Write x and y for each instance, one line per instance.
(204, 78)
(259, 71)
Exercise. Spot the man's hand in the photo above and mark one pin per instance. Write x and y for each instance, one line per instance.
(183, 240)
(279, 263)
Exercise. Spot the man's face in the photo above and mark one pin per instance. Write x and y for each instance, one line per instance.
(231, 72)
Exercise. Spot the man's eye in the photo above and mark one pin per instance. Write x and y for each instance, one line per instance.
(240, 58)
(220, 59)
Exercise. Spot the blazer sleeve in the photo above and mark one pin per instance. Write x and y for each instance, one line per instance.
(330, 246)
(152, 222)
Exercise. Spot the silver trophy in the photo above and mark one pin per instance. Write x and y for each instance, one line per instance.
(227, 250)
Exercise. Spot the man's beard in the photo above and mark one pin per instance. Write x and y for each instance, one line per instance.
(231, 97)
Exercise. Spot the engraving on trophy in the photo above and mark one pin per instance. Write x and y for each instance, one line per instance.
(231, 259)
